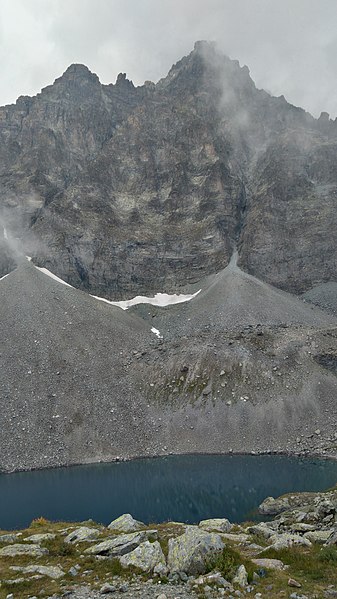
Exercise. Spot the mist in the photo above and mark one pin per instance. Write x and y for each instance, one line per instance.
(289, 46)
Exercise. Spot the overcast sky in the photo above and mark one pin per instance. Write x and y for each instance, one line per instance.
(290, 46)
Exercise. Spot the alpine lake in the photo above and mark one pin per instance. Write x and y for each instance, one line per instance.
(185, 488)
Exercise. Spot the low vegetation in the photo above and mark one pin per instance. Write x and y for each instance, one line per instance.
(314, 568)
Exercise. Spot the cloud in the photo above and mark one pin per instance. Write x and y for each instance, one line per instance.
(289, 45)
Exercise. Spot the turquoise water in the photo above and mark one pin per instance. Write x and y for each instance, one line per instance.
(182, 488)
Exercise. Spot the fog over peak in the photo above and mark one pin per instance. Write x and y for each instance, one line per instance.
(289, 46)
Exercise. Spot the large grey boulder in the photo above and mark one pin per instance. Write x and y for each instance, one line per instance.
(318, 536)
(241, 576)
(54, 572)
(262, 529)
(83, 533)
(216, 525)
(27, 549)
(39, 538)
(285, 540)
(147, 557)
(269, 563)
(126, 523)
(119, 545)
(192, 551)
(272, 507)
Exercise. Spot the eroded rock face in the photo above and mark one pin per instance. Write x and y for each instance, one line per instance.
(293, 194)
(124, 190)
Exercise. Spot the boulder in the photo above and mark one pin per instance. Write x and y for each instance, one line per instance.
(146, 557)
(47, 536)
(12, 582)
(27, 549)
(8, 538)
(236, 538)
(119, 545)
(302, 527)
(284, 540)
(54, 572)
(324, 508)
(216, 525)
(272, 507)
(318, 536)
(151, 534)
(192, 551)
(269, 564)
(126, 523)
(241, 576)
(262, 529)
(84, 533)
(214, 578)
(107, 588)
(332, 540)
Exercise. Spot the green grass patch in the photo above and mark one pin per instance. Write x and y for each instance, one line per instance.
(308, 565)
(58, 548)
(228, 561)
(328, 555)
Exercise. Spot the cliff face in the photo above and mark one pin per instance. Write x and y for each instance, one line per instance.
(290, 230)
(123, 190)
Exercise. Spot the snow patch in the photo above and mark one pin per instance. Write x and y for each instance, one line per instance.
(5, 233)
(51, 275)
(160, 299)
(1, 279)
(156, 332)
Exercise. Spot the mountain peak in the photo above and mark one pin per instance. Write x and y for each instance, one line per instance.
(202, 45)
(78, 73)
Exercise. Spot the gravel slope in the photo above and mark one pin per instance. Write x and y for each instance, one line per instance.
(82, 381)
(324, 296)
(233, 299)
(64, 373)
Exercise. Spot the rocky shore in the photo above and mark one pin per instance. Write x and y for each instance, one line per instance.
(292, 555)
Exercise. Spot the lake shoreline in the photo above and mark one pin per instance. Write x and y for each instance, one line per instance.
(132, 458)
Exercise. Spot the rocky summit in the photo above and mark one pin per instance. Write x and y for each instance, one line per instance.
(200, 186)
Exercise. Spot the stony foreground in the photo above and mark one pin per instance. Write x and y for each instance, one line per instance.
(294, 555)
